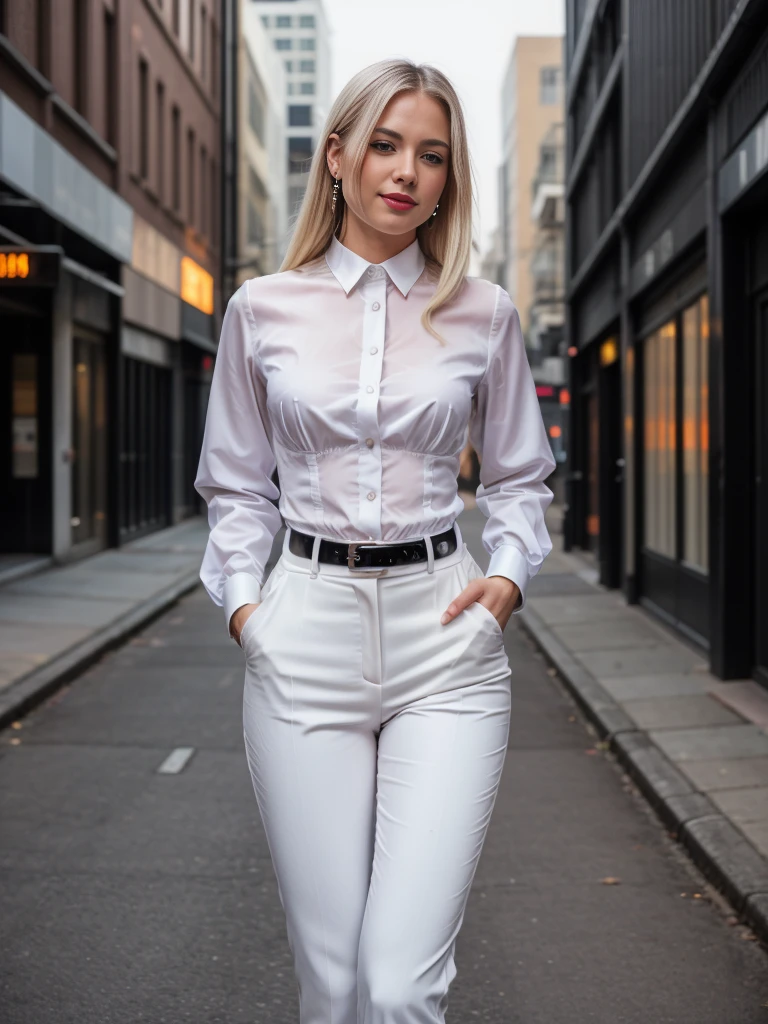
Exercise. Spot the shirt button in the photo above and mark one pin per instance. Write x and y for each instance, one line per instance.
(371, 495)
(369, 389)
(374, 350)
(376, 305)
(370, 442)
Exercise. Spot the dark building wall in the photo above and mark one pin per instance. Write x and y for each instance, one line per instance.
(667, 187)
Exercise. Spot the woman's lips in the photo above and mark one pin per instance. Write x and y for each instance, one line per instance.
(396, 204)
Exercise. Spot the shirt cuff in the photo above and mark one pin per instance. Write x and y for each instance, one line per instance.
(508, 560)
(241, 588)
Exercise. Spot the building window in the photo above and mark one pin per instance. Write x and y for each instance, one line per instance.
(204, 230)
(660, 431)
(160, 129)
(307, 88)
(307, 67)
(549, 86)
(265, 20)
(290, 88)
(176, 159)
(696, 435)
(143, 119)
(80, 55)
(283, 44)
(255, 111)
(110, 69)
(190, 177)
(299, 155)
(307, 44)
(283, 21)
(203, 44)
(255, 225)
(306, 21)
(299, 116)
(676, 447)
(288, 65)
(191, 39)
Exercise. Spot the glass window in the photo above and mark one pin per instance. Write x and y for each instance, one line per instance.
(265, 20)
(299, 115)
(283, 44)
(549, 86)
(288, 65)
(695, 438)
(255, 111)
(306, 21)
(24, 430)
(299, 154)
(283, 21)
(307, 44)
(307, 66)
(660, 441)
(307, 88)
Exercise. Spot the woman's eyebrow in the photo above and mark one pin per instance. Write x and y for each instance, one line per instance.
(424, 142)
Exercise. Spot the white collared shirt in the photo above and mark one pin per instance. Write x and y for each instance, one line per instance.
(327, 373)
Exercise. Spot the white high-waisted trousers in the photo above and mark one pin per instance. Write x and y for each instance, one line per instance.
(375, 738)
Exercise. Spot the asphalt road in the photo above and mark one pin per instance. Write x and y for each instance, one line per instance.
(131, 894)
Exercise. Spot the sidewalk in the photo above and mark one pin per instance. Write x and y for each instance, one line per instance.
(55, 621)
(697, 746)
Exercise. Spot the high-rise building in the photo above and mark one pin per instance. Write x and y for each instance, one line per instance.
(532, 103)
(262, 228)
(299, 33)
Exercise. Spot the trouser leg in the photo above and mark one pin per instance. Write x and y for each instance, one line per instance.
(439, 766)
(446, 701)
(307, 717)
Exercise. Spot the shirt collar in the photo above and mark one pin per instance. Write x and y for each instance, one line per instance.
(404, 269)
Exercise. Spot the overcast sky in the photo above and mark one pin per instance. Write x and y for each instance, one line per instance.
(469, 41)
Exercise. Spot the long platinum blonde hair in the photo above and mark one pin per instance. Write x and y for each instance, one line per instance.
(447, 242)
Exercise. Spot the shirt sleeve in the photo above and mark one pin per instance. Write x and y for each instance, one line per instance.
(234, 474)
(507, 432)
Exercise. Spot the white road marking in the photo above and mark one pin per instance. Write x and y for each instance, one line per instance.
(176, 761)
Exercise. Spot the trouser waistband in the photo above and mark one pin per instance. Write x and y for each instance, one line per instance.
(314, 567)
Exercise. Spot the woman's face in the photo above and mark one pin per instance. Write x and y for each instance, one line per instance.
(408, 155)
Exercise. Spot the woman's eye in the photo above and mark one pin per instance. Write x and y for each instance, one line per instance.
(437, 159)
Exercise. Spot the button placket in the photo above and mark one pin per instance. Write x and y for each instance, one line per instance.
(374, 289)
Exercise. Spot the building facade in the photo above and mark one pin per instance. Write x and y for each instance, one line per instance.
(262, 223)
(531, 103)
(109, 224)
(667, 316)
(299, 32)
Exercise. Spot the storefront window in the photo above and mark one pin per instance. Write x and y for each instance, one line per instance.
(660, 446)
(696, 435)
(25, 440)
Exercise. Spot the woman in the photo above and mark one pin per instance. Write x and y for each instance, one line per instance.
(377, 688)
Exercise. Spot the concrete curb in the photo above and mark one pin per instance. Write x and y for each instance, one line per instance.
(713, 842)
(33, 688)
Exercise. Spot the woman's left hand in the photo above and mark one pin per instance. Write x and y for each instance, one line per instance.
(500, 596)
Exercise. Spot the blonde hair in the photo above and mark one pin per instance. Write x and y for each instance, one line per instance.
(447, 243)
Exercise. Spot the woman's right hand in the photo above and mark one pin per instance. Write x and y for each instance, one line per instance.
(239, 619)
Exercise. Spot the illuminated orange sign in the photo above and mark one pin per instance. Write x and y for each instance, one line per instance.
(609, 352)
(30, 268)
(14, 264)
(196, 285)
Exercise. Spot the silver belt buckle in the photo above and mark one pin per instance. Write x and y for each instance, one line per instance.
(352, 557)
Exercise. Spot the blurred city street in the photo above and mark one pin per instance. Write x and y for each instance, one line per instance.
(139, 884)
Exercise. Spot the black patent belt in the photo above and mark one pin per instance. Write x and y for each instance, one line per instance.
(369, 554)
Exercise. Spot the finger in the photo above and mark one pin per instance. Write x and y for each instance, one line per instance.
(460, 602)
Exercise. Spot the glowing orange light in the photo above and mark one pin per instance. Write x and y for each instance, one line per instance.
(196, 285)
(572, 351)
(555, 431)
(14, 264)
(565, 397)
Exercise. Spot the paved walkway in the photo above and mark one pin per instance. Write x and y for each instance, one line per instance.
(139, 885)
(697, 746)
(52, 622)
